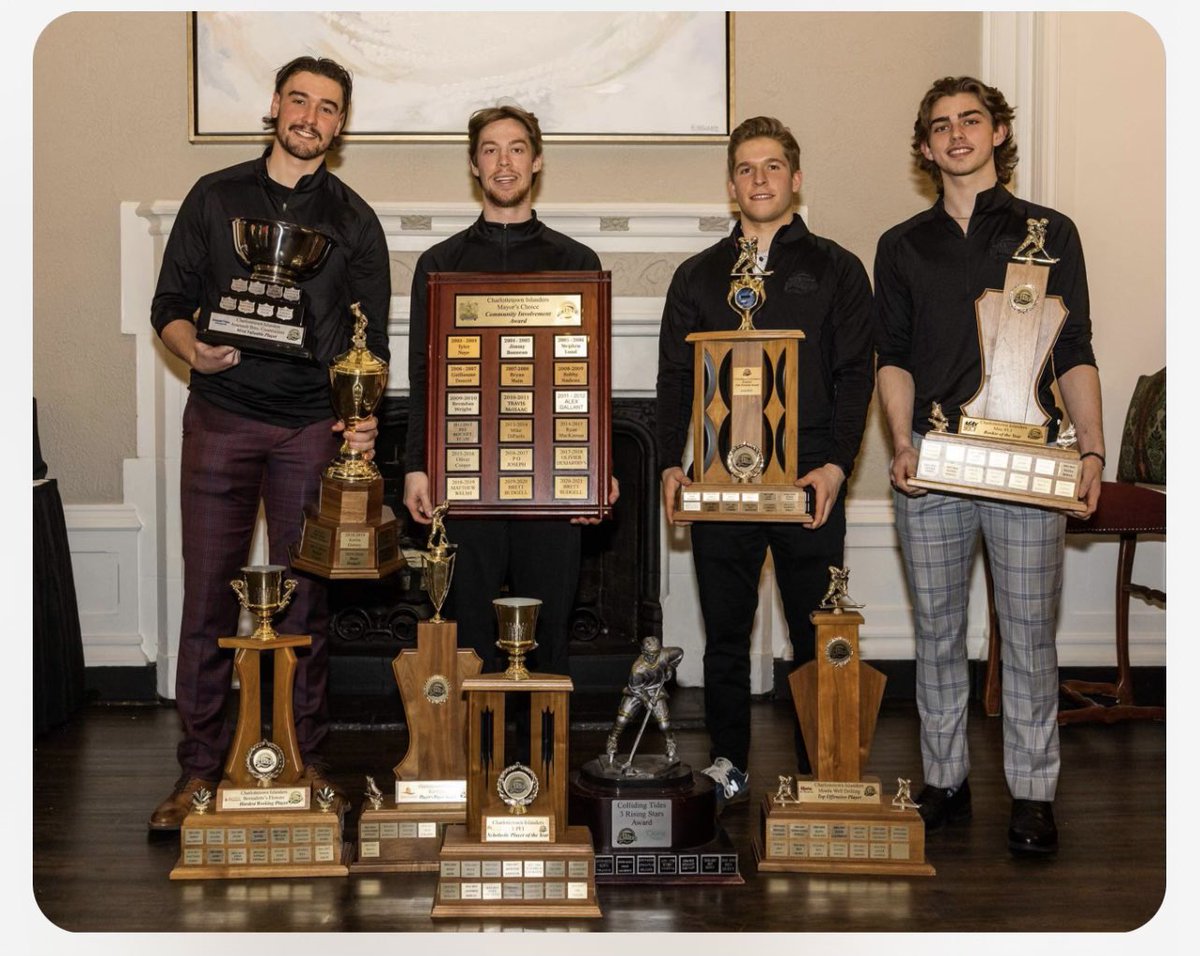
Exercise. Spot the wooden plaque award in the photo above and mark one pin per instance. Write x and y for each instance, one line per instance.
(404, 833)
(515, 856)
(745, 415)
(352, 533)
(835, 820)
(266, 821)
(1000, 449)
(518, 414)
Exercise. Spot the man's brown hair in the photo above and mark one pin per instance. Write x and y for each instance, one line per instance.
(771, 128)
(1004, 156)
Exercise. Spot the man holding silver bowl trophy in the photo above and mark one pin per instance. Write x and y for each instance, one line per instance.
(261, 268)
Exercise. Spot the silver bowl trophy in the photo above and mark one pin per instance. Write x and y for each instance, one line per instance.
(266, 314)
(835, 820)
(652, 819)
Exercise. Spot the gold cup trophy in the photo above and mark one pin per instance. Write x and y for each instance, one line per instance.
(263, 821)
(835, 821)
(352, 533)
(515, 856)
(1000, 450)
(405, 833)
(745, 414)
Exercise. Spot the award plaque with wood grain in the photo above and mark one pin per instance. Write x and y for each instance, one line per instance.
(836, 820)
(1000, 449)
(519, 393)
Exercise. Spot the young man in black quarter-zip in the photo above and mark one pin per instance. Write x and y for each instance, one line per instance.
(260, 428)
(538, 558)
(929, 272)
(818, 287)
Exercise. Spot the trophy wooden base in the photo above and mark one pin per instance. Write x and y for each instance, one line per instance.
(245, 844)
(840, 838)
(653, 830)
(404, 838)
(713, 501)
(520, 880)
(352, 534)
(1045, 476)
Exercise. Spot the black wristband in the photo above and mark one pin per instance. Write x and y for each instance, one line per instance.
(1094, 454)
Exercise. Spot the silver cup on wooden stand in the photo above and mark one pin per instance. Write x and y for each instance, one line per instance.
(267, 313)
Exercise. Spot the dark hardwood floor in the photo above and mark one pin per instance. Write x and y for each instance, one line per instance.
(97, 870)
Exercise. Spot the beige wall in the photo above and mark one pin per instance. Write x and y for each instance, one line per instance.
(110, 124)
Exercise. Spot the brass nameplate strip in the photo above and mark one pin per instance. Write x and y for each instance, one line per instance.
(517, 309)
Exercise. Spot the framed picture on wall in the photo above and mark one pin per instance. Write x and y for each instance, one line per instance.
(619, 76)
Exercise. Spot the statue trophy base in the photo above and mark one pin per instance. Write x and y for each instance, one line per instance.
(521, 859)
(406, 832)
(352, 533)
(259, 829)
(655, 825)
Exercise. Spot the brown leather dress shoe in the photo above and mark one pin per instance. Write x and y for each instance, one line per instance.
(169, 814)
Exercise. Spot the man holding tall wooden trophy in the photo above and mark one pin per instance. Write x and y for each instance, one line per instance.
(765, 349)
(981, 306)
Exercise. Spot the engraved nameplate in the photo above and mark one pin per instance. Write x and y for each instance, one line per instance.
(571, 457)
(570, 429)
(837, 791)
(431, 791)
(641, 823)
(570, 402)
(516, 459)
(570, 486)
(570, 346)
(462, 403)
(462, 433)
(516, 429)
(462, 489)
(516, 487)
(516, 346)
(516, 829)
(462, 459)
(263, 798)
(570, 373)
(517, 403)
(462, 376)
(462, 346)
(517, 309)
(513, 374)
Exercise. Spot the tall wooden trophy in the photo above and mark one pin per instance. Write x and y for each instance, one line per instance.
(745, 414)
(404, 832)
(836, 820)
(515, 856)
(352, 533)
(263, 821)
(1000, 449)
(652, 818)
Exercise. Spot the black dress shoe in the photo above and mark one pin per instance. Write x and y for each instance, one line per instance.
(1031, 829)
(938, 805)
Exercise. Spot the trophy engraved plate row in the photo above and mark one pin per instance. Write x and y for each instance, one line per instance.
(1000, 451)
(519, 417)
(264, 821)
(516, 856)
(352, 533)
(836, 821)
(266, 313)
(652, 819)
(404, 832)
(745, 415)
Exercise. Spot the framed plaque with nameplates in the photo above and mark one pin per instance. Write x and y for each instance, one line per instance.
(518, 417)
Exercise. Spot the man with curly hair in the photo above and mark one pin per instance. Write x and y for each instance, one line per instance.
(929, 272)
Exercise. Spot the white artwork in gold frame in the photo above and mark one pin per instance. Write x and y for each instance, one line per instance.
(623, 76)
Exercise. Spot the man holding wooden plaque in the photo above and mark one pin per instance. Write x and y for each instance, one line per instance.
(539, 557)
(812, 289)
(947, 306)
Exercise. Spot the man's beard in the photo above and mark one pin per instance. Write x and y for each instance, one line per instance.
(510, 201)
(301, 148)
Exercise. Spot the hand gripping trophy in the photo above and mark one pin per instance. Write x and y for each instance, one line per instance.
(646, 691)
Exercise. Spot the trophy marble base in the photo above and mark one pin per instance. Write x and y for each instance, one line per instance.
(244, 844)
(1045, 476)
(840, 838)
(404, 838)
(351, 535)
(727, 501)
(520, 880)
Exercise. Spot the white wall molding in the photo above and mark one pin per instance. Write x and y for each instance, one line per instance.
(127, 556)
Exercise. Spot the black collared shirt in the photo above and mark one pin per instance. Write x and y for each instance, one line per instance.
(928, 275)
(529, 246)
(200, 261)
(815, 286)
